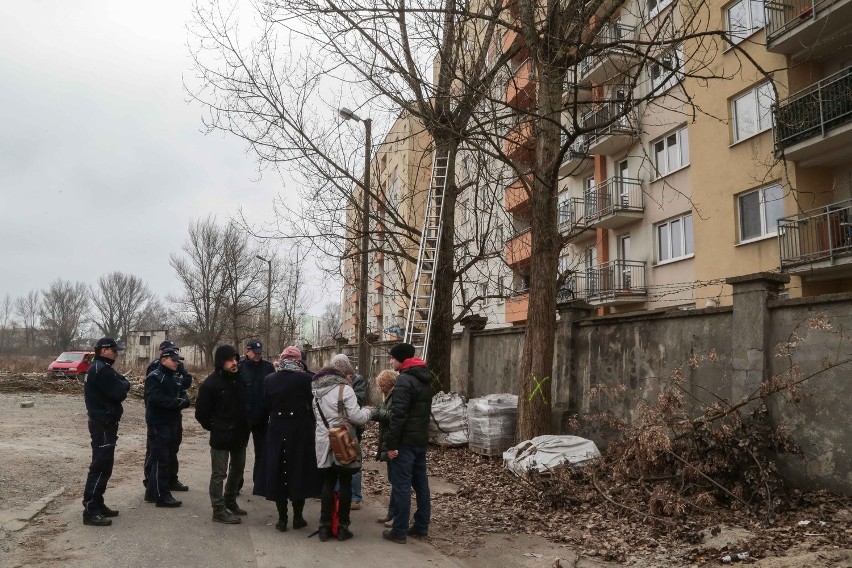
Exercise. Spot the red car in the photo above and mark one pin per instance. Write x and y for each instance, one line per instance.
(72, 363)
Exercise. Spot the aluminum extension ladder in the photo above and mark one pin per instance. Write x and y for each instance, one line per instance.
(423, 294)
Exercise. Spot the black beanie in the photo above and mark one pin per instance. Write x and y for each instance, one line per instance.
(402, 351)
(223, 353)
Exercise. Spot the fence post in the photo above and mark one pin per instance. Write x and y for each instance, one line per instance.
(750, 330)
(567, 390)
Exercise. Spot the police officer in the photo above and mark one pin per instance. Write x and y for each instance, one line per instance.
(104, 390)
(254, 368)
(185, 380)
(164, 399)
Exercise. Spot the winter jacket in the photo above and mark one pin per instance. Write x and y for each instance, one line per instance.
(221, 409)
(181, 374)
(382, 415)
(359, 385)
(412, 406)
(326, 387)
(164, 397)
(104, 390)
(253, 373)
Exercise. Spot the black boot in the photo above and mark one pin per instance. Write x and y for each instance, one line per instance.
(299, 521)
(281, 525)
(343, 532)
(324, 532)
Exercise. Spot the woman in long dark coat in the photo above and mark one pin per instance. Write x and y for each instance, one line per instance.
(289, 466)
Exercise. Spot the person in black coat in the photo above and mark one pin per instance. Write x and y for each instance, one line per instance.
(288, 469)
(253, 369)
(104, 391)
(221, 409)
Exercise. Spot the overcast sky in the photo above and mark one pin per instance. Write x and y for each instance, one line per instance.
(102, 161)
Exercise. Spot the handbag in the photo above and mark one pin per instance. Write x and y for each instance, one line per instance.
(345, 448)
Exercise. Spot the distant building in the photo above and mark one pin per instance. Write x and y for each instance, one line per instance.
(310, 329)
(143, 346)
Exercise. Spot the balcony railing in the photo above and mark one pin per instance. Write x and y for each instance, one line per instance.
(614, 195)
(606, 121)
(610, 38)
(577, 151)
(814, 111)
(616, 279)
(785, 15)
(570, 215)
(823, 234)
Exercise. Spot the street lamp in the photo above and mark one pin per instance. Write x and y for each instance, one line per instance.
(268, 302)
(347, 114)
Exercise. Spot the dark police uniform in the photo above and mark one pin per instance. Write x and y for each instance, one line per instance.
(104, 390)
(164, 399)
(184, 379)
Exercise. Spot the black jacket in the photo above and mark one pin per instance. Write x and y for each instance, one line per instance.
(221, 409)
(253, 373)
(104, 390)
(382, 415)
(164, 397)
(411, 409)
(182, 375)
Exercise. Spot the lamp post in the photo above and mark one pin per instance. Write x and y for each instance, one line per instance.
(268, 302)
(347, 114)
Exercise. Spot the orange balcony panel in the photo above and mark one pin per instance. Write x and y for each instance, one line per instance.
(519, 250)
(520, 143)
(379, 282)
(377, 309)
(380, 256)
(517, 196)
(513, 6)
(520, 88)
(512, 38)
(517, 308)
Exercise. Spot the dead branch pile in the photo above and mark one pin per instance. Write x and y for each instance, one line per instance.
(37, 382)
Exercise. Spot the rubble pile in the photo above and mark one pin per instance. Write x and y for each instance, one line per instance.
(37, 382)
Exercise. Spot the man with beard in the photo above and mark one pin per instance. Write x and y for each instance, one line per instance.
(221, 409)
(253, 369)
(104, 390)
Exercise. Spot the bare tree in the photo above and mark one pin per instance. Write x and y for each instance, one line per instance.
(243, 283)
(6, 330)
(64, 306)
(331, 324)
(202, 305)
(120, 300)
(27, 309)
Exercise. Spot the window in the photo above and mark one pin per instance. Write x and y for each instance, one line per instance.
(671, 152)
(674, 238)
(144, 340)
(665, 70)
(656, 6)
(744, 18)
(759, 212)
(752, 111)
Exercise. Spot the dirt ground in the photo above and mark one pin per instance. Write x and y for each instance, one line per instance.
(45, 449)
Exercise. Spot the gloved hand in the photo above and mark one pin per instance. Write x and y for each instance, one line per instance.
(184, 403)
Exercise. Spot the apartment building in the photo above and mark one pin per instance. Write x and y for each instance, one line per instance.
(400, 172)
(663, 204)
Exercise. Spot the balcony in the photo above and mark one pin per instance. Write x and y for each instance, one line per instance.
(615, 282)
(517, 307)
(520, 143)
(379, 282)
(614, 203)
(517, 197)
(377, 309)
(574, 288)
(613, 131)
(576, 90)
(814, 126)
(519, 250)
(512, 38)
(520, 88)
(612, 58)
(570, 217)
(817, 242)
(807, 27)
(577, 160)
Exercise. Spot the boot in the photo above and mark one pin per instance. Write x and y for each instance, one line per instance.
(299, 521)
(225, 516)
(234, 508)
(343, 532)
(281, 525)
(324, 532)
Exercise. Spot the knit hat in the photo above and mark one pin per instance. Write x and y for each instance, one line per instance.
(291, 352)
(402, 351)
(342, 364)
(223, 353)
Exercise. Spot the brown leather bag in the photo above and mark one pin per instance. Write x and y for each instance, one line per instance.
(342, 439)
